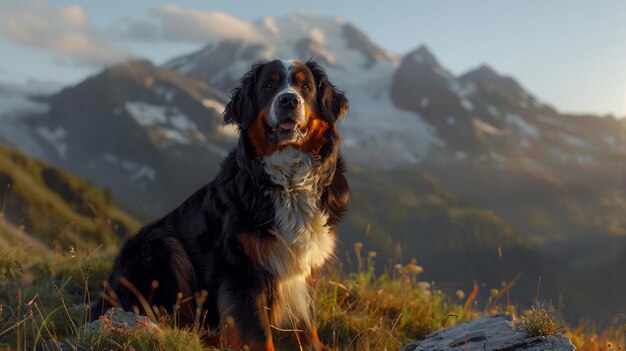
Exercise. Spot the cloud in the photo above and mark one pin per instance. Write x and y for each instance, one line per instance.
(65, 31)
(137, 30)
(171, 23)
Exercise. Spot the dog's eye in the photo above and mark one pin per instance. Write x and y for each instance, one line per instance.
(269, 86)
(305, 87)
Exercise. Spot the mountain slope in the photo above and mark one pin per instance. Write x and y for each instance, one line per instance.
(135, 128)
(54, 206)
(410, 215)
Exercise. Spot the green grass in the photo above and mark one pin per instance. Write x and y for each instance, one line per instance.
(142, 336)
(362, 310)
(540, 321)
(55, 206)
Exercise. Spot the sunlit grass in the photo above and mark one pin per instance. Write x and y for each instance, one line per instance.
(43, 303)
(540, 321)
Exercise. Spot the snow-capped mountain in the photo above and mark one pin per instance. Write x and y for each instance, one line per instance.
(134, 128)
(377, 132)
(336, 45)
(405, 109)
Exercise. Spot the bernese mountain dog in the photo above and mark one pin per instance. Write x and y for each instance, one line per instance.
(252, 239)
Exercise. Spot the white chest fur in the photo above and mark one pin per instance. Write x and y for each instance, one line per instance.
(304, 241)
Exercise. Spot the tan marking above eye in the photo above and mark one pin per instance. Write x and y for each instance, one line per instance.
(300, 76)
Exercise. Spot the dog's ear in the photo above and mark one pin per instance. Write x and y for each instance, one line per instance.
(332, 103)
(241, 108)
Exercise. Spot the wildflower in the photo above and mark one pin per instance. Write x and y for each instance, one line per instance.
(460, 294)
(423, 285)
(118, 330)
(415, 269)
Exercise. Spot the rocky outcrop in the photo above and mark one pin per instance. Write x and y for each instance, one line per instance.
(491, 333)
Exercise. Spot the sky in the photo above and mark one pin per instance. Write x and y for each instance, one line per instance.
(568, 53)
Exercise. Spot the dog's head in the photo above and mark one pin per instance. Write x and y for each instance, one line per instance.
(283, 103)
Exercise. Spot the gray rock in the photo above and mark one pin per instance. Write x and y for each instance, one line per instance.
(117, 317)
(120, 319)
(489, 334)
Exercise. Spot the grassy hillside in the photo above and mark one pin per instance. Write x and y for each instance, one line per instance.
(40, 203)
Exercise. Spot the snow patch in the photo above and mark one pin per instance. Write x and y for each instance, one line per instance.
(611, 141)
(173, 135)
(165, 93)
(493, 110)
(467, 104)
(109, 157)
(129, 165)
(377, 134)
(145, 114)
(522, 125)
(137, 171)
(548, 120)
(181, 122)
(217, 150)
(464, 90)
(424, 103)
(487, 128)
(451, 120)
(56, 138)
(144, 171)
(169, 122)
(573, 140)
(24, 137)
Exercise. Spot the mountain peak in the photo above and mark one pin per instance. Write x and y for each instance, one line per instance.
(133, 67)
(486, 76)
(484, 72)
(356, 39)
(423, 49)
(422, 55)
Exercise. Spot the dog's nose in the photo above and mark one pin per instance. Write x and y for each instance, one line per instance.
(289, 101)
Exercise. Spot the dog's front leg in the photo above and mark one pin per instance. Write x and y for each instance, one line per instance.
(244, 322)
